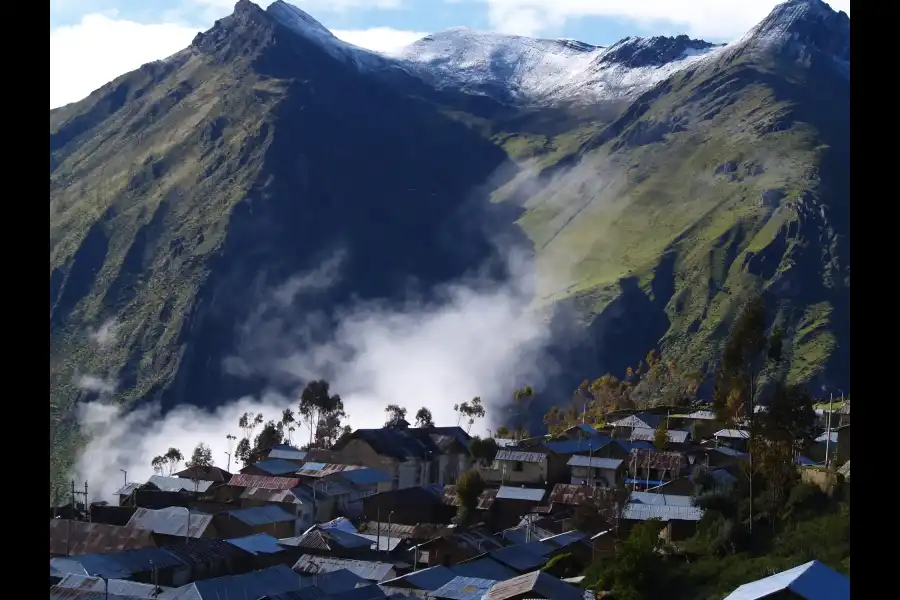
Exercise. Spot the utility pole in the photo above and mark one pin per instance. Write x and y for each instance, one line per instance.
(125, 474)
(228, 468)
(828, 429)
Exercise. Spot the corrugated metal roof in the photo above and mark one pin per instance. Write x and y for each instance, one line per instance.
(675, 436)
(287, 454)
(698, 415)
(639, 459)
(268, 483)
(508, 492)
(635, 511)
(521, 557)
(170, 521)
(735, 434)
(571, 495)
(645, 420)
(260, 543)
(365, 476)
(342, 523)
(424, 579)
(813, 580)
(277, 467)
(78, 537)
(522, 534)
(329, 488)
(567, 538)
(178, 484)
(579, 460)
(205, 552)
(520, 456)
(370, 571)
(335, 582)
(126, 489)
(248, 586)
(119, 587)
(117, 565)
(827, 436)
(731, 452)
(484, 568)
(385, 543)
(573, 446)
(275, 496)
(464, 588)
(662, 499)
(485, 500)
(58, 593)
(543, 584)
(262, 515)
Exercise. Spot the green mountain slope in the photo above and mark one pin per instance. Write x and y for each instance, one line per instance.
(252, 155)
(728, 179)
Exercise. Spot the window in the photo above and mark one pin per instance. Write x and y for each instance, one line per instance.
(519, 466)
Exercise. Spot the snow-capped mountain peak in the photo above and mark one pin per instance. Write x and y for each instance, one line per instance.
(298, 20)
(802, 26)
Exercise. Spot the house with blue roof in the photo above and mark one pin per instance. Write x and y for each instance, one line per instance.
(144, 565)
(256, 584)
(810, 581)
(272, 467)
(269, 519)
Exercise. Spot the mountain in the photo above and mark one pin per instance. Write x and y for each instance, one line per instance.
(659, 181)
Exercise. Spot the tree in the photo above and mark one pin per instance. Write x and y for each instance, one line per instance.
(638, 570)
(201, 459)
(331, 426)
(167, 463)
(736, 379)
(396, 414)
(470, 411)
(503, 433)
(424, 418)
(286, 423)
(661, 436)
(469, 488)
(158, 464)
(268, 437)
(484, 450)
(248, 424)
(242, 451)
(317, 402)
(789, 417)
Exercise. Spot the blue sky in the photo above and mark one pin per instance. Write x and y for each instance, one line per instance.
(94, 41)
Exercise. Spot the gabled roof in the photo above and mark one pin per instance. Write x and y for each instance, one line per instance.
(594, 462)
(520, 456)
(404, 443)
(364, 476)
(260, 543)
(661, 499)
(522, 557)
(118, 565)
(256, 584)
(449, 497)
(636, 511)
(288, 454)
(642, 419)
(115, 587)
(428, 579)
(267, 483)
(591, 444)
(295, 496)
(275, 467)
(78, 537)
(508, 492)
(371, 571)
(484, 568)
(536, 584)
(812, 581)
(321, 538)
(464, 588)
(733, 434)
(675, 436)
(178, 484)
(261, 515)
(171, 521)
(211, 473)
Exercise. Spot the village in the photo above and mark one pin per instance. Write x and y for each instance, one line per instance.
(380, 515)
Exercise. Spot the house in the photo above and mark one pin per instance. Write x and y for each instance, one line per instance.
(71, 538)
(178, 484)
(581, 431)
(174, 524)
(330, 499)
(674, 437)
(843, 444)
(845, 414)
(570, 496)
(271, 467)
(256, 584)
(210, 473)
(678, 513)
(409, 506)
(232, 491)
(425, 580)
(126, 492)
(649, 468)
(516, 467)
(144, 565)
(70, 585)
(284, 451)
(486, 499)
(809, 581)
(533, 585)
(207, 558)
(737, 439)
(512, 503)
(296, 501)
(464, 588)
(270, 519)
(111, 514)
(589, 470)
(375, 572)
(456, 547)
(642, 420)
(265, 550)
(410, 456)
(344, 485)
(334, 542)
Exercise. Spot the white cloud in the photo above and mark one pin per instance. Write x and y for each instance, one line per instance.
(719, 19)
(91, 383)
(380, 39)
(475, 338)
(85, 56)
(105, 334)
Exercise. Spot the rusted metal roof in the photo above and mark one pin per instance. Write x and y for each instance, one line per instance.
(95, 538)
(171, 521)
(319, 470)
(573, 495)
(643, 459)
(485, 500)
(541, 584)
(675, 436)
(371, 571)
(267, 483)
(207, 552)
(520, 456)
(422, 531)
(61, 593)
(118, 587)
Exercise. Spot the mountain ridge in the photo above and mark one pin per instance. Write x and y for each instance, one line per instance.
(176, 185)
